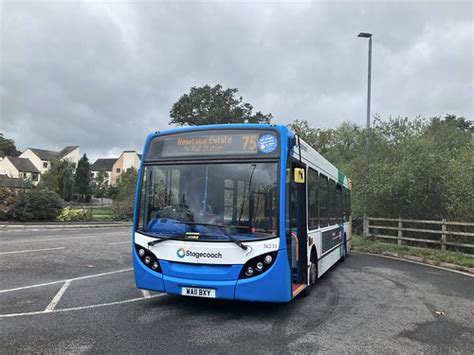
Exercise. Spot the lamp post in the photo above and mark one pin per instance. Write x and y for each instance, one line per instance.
(369, 82)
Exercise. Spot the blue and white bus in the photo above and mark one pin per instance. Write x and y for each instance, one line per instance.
(237, 211)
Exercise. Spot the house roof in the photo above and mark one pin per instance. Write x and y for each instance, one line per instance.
(49, 155)
(23, 165)
(44, 154)
(132, 151)
(67, 150)
(103, 164)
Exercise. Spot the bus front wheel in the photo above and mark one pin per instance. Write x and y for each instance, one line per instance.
(313, 274)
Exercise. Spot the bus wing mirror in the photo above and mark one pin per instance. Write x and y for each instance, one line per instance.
(299, 175)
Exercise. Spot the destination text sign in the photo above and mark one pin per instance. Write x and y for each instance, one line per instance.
(211, 143)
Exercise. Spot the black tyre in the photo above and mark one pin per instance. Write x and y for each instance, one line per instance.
(344, 250)
(313, 275)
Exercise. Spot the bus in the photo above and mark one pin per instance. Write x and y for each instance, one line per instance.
(237, 211)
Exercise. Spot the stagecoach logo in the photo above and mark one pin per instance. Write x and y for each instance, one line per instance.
(181, 252)
(267, 143)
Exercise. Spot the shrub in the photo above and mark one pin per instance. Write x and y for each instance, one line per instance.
(6, 199)
(36, 205)
(74, 214)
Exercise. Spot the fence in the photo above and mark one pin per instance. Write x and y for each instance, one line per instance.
(447, 234)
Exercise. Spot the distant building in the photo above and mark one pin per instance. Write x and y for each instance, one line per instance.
(128, 159)
(112, 168)
(42, 158)
(105, 166)
(23, 168)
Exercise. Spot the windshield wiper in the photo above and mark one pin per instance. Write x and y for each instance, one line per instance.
(161, 239)
(222, 228)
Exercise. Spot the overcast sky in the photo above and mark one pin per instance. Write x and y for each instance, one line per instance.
(103, 74)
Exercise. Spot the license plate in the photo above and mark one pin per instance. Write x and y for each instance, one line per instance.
(198, 292)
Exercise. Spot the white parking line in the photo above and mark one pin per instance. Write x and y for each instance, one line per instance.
(30, 251)
(79, 308)
(61, 281)
(128, 242)
(56, 298)
(98, 237)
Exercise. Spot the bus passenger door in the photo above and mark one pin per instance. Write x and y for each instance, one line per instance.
(297, 234)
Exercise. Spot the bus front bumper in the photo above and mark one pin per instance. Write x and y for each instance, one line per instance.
(271, 286)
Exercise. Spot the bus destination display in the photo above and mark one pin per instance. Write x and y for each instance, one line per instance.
(214, 143)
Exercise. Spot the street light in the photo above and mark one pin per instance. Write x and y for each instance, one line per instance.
(369, 36)
(369, 79)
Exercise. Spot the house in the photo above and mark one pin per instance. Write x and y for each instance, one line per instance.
(128, 159)
(112, 168)
(15, 167)
(42, 158)
(105, 166)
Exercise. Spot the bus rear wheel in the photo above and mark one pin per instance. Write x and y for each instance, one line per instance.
(344, 251)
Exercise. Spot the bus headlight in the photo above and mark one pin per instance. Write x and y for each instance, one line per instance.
(268, 259)
(148, 258)
(258, 265)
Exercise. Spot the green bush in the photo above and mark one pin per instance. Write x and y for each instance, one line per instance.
(36, 205)
(74, 214)
(6, 199)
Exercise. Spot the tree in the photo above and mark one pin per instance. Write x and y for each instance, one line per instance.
(59, 178)
(126, 184)
(100, 187)
(211, 105)
(82, 178)
(419, 168)
(319, 139)
(36, 205)
(8, 146)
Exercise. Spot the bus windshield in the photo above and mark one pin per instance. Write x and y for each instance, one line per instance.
(209, 201)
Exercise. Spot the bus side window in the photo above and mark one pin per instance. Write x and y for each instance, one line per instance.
(332, 202)
(344, 204)
(323, 201)
(313, 218)
(349, 202)
(340, 217)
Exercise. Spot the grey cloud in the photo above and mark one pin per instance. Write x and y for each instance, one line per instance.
(103, 75)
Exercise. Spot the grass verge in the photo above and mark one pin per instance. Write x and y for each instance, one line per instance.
(102, 214)
(431, 256)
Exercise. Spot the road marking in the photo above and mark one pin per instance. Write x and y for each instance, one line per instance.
(146, 293)
(61, 281)
(414, 262)
(79, 308)
(128, 242)
(58, 296)
(98, 237)
(30, 251)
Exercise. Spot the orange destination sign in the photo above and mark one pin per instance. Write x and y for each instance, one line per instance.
(212, 143)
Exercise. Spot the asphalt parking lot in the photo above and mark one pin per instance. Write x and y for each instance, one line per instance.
(72, 291)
